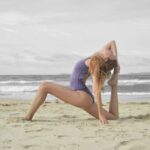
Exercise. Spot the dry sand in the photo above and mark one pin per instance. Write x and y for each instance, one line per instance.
(60, 126)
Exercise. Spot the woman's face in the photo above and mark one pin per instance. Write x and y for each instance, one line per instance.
(106, 54)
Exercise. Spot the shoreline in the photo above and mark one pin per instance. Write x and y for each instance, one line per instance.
(56, 100)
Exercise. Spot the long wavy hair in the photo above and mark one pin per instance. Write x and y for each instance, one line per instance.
(103, 69)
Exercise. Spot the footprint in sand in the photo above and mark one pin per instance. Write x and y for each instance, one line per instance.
(62, 136)
(35, 130)
(29, 146)
(143, 117)
(7, 143)
(133, 144)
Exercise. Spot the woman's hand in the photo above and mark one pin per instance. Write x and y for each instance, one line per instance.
(102, 119)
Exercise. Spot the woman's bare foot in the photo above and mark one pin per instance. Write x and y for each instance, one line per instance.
(113, 81)
(27, 118)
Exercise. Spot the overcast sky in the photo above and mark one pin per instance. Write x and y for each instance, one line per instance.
(49, 36)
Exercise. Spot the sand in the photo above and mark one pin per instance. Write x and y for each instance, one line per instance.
(60, 126)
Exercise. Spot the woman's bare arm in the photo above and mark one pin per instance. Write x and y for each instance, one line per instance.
(97, 96)
(113, 48)
(96, 92)
(109, 50)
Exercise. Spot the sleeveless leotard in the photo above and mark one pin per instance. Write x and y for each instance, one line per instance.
(77, 79)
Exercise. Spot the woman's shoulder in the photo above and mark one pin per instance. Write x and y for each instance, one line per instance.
(97, 54)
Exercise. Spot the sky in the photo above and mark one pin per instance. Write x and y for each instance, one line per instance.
(50, 36)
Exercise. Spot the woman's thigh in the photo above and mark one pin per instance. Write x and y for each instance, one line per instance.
(77, 98)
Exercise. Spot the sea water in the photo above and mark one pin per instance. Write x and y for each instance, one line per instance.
(130, 86)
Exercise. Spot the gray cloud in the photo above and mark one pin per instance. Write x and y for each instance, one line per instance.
(37, 35)
(76, 10)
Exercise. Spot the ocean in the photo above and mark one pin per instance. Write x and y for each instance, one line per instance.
(130, 86)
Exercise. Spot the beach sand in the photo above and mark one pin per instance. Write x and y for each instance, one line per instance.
(60, 126)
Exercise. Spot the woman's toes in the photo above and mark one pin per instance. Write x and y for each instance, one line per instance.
(27, 118)
(113, 80)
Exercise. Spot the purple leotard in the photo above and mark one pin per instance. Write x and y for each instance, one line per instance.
(78, 75)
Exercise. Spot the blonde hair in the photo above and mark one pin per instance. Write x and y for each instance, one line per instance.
(101, 69)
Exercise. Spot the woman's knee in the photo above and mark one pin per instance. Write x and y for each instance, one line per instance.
(44, 86)
(116, 117)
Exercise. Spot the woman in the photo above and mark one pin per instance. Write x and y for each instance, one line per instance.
(98, 66)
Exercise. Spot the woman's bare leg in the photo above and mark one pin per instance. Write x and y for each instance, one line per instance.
(113, 107)
(36, 103)
(76, 98)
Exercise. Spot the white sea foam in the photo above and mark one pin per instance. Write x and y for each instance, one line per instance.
(22, 82)
(127, 82)
(133, 82)
(130, 93)
(89, 82)
(18, 88)
(22, 88)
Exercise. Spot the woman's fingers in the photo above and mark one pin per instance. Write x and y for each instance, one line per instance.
(103, 119)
